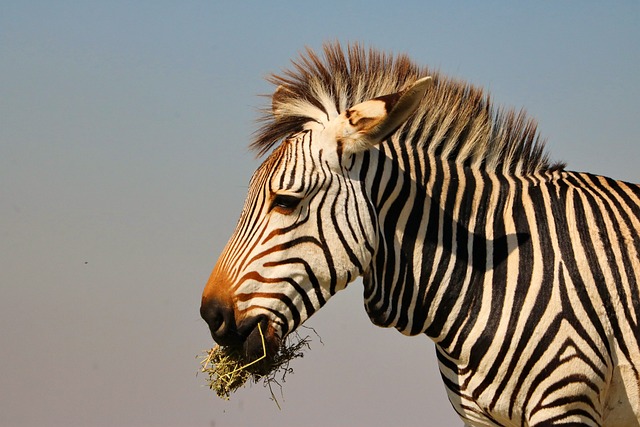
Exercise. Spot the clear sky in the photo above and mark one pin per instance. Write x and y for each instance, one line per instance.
(124, 164)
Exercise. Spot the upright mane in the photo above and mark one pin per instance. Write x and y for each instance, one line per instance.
(455, 120)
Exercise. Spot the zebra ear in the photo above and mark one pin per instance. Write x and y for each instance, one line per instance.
(368, 123)
(277, 100)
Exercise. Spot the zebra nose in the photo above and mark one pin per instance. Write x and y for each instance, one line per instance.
(221, 321)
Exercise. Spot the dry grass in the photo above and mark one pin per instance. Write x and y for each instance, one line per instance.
(228, 369)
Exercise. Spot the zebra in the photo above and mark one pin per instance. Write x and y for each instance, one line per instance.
(524, 274)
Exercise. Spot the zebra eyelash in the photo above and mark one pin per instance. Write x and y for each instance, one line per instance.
(284, 203)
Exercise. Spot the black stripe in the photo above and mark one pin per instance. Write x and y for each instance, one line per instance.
(403, 288)
(543, 297)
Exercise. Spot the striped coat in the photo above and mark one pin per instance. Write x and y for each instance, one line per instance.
(525, 275)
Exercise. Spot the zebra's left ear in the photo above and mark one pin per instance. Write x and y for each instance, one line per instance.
(368, 123)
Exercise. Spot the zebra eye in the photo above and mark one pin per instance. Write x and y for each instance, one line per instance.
(285, 203)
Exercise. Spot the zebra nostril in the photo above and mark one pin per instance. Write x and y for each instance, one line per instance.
(221, 321)
(216, 322)
(218, 325)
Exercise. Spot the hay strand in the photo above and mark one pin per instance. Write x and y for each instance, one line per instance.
(228, 369)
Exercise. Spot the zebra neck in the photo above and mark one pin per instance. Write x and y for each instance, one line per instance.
(444, 230)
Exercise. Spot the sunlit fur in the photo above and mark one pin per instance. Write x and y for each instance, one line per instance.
(524, 275)
(455, 122)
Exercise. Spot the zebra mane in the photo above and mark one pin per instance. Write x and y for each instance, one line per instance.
(455, 121)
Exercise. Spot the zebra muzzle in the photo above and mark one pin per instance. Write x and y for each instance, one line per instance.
(226, 331)
(222, 323)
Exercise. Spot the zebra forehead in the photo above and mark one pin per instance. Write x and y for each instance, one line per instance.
(268, 167)
(455, 118)
(282, 157)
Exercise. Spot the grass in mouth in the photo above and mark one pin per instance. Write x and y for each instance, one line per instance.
(228, 369)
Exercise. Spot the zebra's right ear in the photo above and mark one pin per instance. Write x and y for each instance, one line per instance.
(369, 123)
(278, 99)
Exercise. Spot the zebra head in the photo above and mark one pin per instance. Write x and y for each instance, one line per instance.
(307, 228)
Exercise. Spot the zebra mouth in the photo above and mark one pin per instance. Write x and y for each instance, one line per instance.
(261, 343)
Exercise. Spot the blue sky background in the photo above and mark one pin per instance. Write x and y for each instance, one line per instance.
(124, 164)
